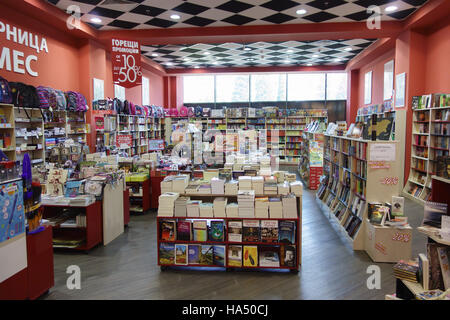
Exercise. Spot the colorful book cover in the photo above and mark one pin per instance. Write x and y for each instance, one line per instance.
(269, 230)
(286, 233)
(235, 256)
(436, 279)
(166, 253)
(288, 255)
(433, 212)
(250, 256)
(219, 256)
(194, 251)
(200, 230)
(217, 231)
(181, 254)
(168, 230)
(207, 256)
(184, 230)
(235, 231)
(398, 204)
(445, 268)
(250, 231)
(269, 256)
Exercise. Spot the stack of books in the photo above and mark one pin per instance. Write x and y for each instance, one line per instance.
(219, 206)
(245, 183)
(231, 187)
(261, 207)
(246, 203)
(191, 188)
(406, 270)
(180, 206)
(206, 209)
(283, 188)
(167, 204)
(166, 184)
(217, 186)
(232, 210)
(210, 173)
(275, 208)
(279, 175)
(289, 206)
(258, 184)
(290, 177)
(297, 188)
(270, 188)
(193, 208)
(180, 183)
(204, 189)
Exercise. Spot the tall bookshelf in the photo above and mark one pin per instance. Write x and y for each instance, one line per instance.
(352, 181)
(311, 159)
(429, 145)
(29, 132)
(7, 129)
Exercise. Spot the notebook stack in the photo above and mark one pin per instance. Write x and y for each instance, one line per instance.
(219, 206)
(289, 206)
(275, 208)
(297, 188)
(232, 210)
(206, 209)
(406, 270)
(180, 206)
(283, 188)
(231, 187)
(258, 184)
(245, 183)
(180, 183)
(193, 208)
(261, 207)
(217, 186)
(166, 184)
(246, 203)
(167, 204)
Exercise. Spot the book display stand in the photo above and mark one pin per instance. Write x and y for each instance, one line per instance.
(311, 160)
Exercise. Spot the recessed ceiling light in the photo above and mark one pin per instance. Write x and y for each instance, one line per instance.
(175, 17)
(206, 53)
(348, 49)
(169, 63)
(315, 55)
(247, 49)
(290, 51)
(337, 59)
(186, 59)
(96, 20)
(250, 59)
(309, 64)
(391, 8)
(300, 11)
(197, 67)
(154, 54)
(287, 61)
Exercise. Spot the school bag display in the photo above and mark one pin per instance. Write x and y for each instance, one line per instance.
(5, 91)
(23, 95)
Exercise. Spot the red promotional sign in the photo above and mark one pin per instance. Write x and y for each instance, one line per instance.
(124, 140)
(126, 62)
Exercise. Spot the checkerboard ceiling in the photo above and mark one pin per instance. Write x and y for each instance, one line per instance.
(147, 14)
(258, 54)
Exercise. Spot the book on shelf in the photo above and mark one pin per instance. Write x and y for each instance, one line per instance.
(219, 255)
(194, 252)
(444, 256)
(288, 255)
(406, 270)
(207, 255)
(269, 231)
(219, 207)
(375, 212)
(166, 253)
(200, 230)
(436, 277)
(181, 254)
(261, 207)
(269, 256)
(433, 212)
(251, 231)
(424, 271)
(235, 256)
(168, 230)
(250, 256)
(235, 231)
(398, 204)
(180, 206)
(286, 232)
(232, 210)
(275, 208)
(289, 203)
(206, 209)
(217, 231)
(193, 208)
(184, 230)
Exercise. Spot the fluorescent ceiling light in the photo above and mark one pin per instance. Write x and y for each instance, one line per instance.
(300, 11)
(287, 61)
(175, 17)
(197, 67)
(391, 8)
(96, 20)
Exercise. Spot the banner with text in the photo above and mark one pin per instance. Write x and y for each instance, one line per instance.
(126, 62)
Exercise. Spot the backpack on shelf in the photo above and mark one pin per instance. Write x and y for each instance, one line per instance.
(160, 112)
(198, 112)
(166, 112)
(117, 105)
(71, 98)
(146, 111)
(191, 112)
(47, 98)
(183, 111)
(61, 102)
(132, 108)
(174, 112)
(5, 91)
(139, 111)
(81, 103)
(126, 107)
(23, 95)
(206, 112)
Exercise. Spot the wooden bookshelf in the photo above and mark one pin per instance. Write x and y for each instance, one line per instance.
(7, 131)
(311, 160)
(226, 243)
(353, 180)
(430, 141)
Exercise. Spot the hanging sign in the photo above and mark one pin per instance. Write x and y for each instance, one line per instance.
(124, 140)
(126, 62)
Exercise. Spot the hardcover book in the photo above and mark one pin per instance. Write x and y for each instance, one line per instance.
(235, 256)
(250, 231)
(433, 212)
(288, 255)
(166, 253)
(445, 267)
(424, 271)
(194, 252)
(286, 233)
(250, 256)
(200, 230)
(184, 231)
(168, 230)
(436, 279)
(216, 231)
(219, 256)
(269, 230)
(181, 254)
(206, 258)
(398, 204)
(269, 256)
(235, 231)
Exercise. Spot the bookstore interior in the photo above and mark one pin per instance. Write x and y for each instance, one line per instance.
(184, 149)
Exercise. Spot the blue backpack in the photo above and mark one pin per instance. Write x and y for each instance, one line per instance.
(5, 91)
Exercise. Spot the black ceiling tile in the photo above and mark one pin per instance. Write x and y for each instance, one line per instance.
(278, 18)
(279, 5)
(324, 5)
(94, 25)
(336, 46)
(190, 50)
(103, 12)
(248, 54)
(55, 2)
(92, 2)
(164, 51)
(305, 47)
(356, 51)
(359, 16)
(218, 49)
(170, 56)
(321, 16)
(274, 59)
(123, 24)
(190, 8)
(225, 60)
(198, 21)
(147, 10)
(401, 14)
(363, 45)
(195, 56)
(275, 48)
(415, 2)
(368, 3)
(275, 53)
(300, 58)
(330, 52)
(222, 55)
(238, 19)
(234, 6)
(157, 22)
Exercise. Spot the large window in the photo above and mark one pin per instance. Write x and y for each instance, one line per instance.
(368, 87)
(336, 86)
(306, 86)
(388, 80)
(198, 89)
(145, 91)
(232, 88)
(119, 92)
(268, 87)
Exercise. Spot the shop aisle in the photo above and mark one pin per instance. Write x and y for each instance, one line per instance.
(127, 268)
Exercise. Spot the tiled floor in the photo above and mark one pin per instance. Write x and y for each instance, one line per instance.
(127, 268)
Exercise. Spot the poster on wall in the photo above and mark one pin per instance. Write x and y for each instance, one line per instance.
(400, 80)
(126, 62)
(382, 152)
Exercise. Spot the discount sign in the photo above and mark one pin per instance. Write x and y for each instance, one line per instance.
(126, 62)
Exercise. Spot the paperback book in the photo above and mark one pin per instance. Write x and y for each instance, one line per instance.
(166, 253)
(194, 252)
(207, 255)
(269, 230)
(269, 256)
(168, 230)
(286, 232)
(219, 255)
(184, 231)
(235, 256)
(217, 231)
(288, 255)
(235, 231)
(250, 231)
(181, 254)
(250, 256)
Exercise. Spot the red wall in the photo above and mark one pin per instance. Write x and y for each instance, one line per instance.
(437, 79)
(377, 68)
(156, 90)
